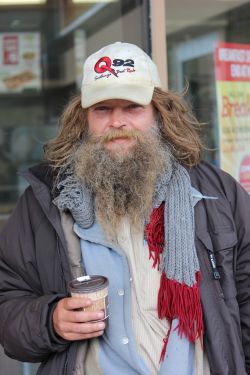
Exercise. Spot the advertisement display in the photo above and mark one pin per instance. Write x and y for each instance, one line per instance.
(20, 62)
(232, 66)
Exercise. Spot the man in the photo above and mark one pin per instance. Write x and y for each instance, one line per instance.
(124, 195)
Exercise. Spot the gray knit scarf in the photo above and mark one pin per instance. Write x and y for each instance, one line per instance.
(179, 259)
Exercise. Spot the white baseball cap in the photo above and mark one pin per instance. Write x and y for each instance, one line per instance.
(119, 71)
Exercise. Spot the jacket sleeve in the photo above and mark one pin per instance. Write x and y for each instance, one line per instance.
(26, 332)
(241, 209)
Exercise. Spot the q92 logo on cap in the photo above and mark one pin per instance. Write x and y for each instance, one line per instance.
(104, 64)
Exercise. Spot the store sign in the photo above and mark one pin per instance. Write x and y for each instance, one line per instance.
(19, 62)
(232, 67)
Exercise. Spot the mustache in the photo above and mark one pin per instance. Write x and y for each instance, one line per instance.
(114, 134)
(135, 134)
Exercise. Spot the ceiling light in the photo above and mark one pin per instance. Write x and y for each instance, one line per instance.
(22, 2)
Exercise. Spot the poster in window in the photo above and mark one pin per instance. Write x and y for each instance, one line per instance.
(232, 66)
(20, 58)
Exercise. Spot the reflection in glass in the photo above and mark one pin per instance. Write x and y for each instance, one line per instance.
(193, 33)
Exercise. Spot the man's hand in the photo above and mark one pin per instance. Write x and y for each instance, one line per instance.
(72, 324)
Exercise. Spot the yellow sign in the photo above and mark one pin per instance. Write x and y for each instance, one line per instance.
(233, 96)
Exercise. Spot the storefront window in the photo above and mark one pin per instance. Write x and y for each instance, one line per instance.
(209, 52)
(42, 48)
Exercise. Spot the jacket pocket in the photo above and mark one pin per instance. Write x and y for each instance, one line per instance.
(220, 259)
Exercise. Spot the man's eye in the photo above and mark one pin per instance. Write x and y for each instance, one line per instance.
(135, 106)
(101, 108)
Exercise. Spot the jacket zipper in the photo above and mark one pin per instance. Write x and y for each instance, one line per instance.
(70, 360)
(64, 283)
(65, 365)
(216, 274)
(211, 263)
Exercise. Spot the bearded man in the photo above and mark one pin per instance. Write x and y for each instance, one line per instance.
(123, 194)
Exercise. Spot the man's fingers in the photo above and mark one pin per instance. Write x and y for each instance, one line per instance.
(84, 328)
(83, 316)
(73, 303)
(81, 331)
(72, 310)
(85, 336)
(69, 318)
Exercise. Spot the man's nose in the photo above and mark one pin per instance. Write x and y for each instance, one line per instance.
(118, 119)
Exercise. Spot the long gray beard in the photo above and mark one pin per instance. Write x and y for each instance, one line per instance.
(123, 184)
(172, 185)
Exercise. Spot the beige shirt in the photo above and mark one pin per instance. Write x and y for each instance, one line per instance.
(149, 329)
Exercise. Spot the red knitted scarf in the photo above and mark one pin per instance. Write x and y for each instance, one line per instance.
(175, 300)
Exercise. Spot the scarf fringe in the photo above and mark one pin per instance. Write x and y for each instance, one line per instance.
(165, 343)
(175, 300)
(180, 301)
(154, 234)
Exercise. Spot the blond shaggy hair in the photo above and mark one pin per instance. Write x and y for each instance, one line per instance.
(178, 127)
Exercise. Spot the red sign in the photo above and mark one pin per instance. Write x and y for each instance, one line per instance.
(245, 173)
(10, 50)
(232, 62)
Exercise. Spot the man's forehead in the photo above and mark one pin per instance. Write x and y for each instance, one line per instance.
(117, 102)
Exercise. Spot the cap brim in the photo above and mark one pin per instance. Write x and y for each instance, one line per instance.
(140, 94)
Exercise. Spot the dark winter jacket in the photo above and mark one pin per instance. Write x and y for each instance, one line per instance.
(35, 269)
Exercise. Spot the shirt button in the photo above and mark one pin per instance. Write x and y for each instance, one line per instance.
(125, 340)
(131, 279)
(120, 292)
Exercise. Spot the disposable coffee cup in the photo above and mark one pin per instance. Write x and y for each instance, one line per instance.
(94, 287)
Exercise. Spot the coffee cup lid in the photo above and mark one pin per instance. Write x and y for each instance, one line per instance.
(87, 284)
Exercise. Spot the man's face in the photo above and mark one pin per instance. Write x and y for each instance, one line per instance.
(117, 119)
